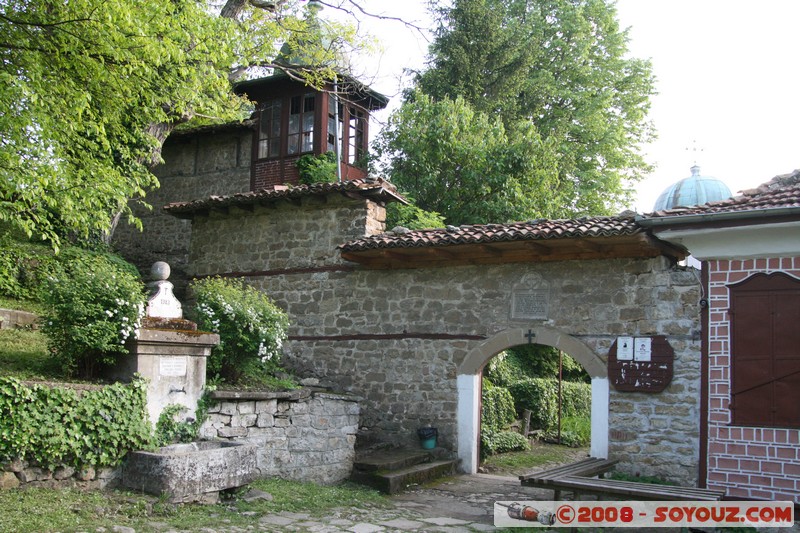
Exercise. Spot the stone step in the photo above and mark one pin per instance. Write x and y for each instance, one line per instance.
(394, 481)
(393, 459)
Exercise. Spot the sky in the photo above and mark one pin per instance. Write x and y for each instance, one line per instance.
(727, 76)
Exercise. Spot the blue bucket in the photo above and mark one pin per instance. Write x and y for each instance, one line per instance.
(427, 437)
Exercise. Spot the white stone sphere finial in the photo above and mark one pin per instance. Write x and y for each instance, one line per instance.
(160, 271)
(162, 302)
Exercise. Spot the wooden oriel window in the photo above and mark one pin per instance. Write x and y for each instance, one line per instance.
(356, 146)
(291, 118)
(301, 124)
(765, 351)
(269, 131)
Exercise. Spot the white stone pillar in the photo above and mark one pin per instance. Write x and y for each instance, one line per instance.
(469, 412)
(599, 445)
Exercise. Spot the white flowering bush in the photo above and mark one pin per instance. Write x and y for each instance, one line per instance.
(94, 303)
(251, 329)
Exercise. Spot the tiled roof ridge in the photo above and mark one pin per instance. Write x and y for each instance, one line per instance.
(595, 226)
(294, 191)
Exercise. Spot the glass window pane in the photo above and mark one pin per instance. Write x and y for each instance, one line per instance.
(308, 122)
(308, 105)
(262, 149)
(308, 142)
(294, 141)
(294, 124)
(274, 147)
(294, 108)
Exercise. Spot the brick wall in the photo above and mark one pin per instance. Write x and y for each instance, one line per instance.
(747, 462)
(270, 172)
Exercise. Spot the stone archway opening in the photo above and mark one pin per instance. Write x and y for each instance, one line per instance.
(469, 387)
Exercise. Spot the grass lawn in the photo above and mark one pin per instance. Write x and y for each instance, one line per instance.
(20, 305)
(24, 355)
(540, 456)
(73, 510)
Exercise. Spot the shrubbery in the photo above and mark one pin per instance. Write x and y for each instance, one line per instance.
(493, 442)
(58, 426)
(497, 407)
(540, 396)
(94, 304)
(317, 168)
(24, 268)
(251, 329)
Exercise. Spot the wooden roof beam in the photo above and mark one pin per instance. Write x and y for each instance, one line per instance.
(541, 249)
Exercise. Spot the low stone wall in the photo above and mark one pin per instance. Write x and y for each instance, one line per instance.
(11, 318)
(21, 474)
(301, 435)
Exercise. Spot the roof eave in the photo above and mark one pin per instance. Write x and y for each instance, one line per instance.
(714, 218)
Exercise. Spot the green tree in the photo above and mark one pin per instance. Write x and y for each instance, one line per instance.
(462, 164)
(554, 67)
(89, 90)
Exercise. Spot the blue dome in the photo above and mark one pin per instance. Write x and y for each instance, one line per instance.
(694, 190)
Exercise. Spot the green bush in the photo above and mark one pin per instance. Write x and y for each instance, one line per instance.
(411, 217)
(540, 396)
(172, 427)
(503, 370)
(317, 168)
(577, 399)
(494, 442)
(58, 426)
(24, 267)
(576, 431)
(497, 407)
(251, 328)
(94, 304)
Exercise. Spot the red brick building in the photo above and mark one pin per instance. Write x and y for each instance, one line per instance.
(750, 405)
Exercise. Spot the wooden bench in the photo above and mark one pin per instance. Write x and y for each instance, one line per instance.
(577, 478)
(634, 490)
(549, 479)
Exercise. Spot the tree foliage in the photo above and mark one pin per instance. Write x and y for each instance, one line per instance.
(462, 164)
(89, 90)
(551, 70)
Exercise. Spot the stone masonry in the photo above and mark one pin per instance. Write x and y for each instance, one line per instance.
(210, 161)
(397, 337)
(300, 435)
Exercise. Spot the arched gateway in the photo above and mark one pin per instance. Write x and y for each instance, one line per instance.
(469, 386)
(406, 320)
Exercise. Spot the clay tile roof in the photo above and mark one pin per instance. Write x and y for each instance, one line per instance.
(367, 188)
(489, 233)
(780, 192)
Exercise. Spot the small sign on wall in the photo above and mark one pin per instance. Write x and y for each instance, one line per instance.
(644, 349)
(625, 348)
(640, 364)
(172, 366)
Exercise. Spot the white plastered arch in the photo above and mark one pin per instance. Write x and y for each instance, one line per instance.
(469, 386)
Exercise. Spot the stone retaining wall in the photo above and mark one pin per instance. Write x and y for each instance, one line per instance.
(301, 435)
(21, 474)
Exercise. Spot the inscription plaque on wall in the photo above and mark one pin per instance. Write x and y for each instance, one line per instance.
(648, 370)
(530, 304)
(172, 366)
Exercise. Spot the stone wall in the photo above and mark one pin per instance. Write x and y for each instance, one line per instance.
(397, 337)
(300, 435)
(20, 474)
(216, 162)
